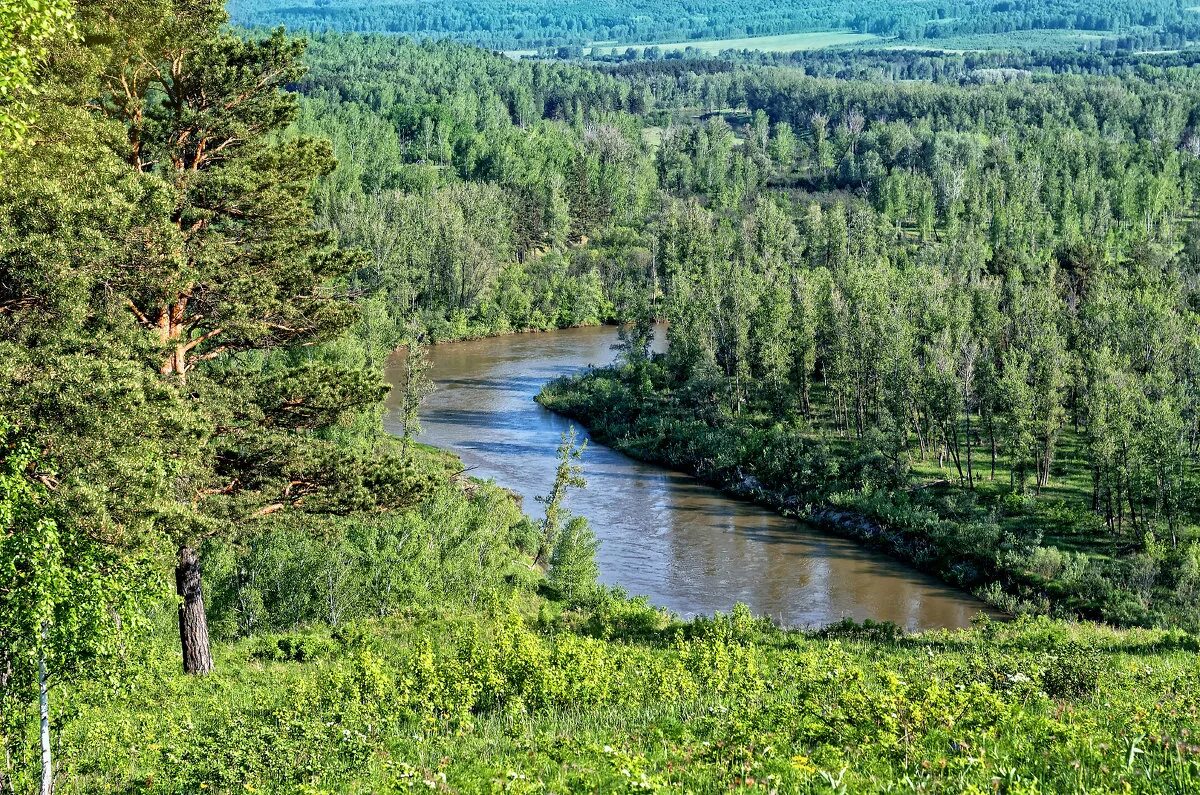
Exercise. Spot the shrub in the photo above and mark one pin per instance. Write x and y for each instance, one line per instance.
(1187, 577)
(573, 569)
(1045, 562)
(1142, 574)
(296, 647)
(616, 615)
(868, 630)
(353, 635)
(1072, 673)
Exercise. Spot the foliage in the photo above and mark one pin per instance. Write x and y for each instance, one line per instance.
(981, 539)
(466, 703)
(448, 549)
(415, 388)
(26, 28)
(474, 200)
(573, 569)
(569, 475)
(1075, 673)
(945, 303)
(68, 602)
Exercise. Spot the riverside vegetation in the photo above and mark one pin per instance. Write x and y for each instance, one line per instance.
(962, 305)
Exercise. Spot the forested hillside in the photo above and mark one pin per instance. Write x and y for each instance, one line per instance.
(533, 24)
(944, 303)
(473, 181)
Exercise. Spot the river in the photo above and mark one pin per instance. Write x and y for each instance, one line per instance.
(664, 535)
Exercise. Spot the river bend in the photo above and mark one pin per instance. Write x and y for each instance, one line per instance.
(662, 534)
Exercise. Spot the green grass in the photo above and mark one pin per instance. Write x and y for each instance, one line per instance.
(1015, 40)
(653, 136)
(622, 700)
(791, 42)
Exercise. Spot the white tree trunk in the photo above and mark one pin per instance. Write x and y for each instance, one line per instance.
(44, 705)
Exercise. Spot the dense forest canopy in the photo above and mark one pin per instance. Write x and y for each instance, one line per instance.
(531, 24)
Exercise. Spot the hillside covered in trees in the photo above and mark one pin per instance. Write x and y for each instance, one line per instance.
(946, 303)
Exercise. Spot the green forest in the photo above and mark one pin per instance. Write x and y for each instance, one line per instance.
(520, 25)
(946, 304)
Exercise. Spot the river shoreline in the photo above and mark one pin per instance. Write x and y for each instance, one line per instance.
(918, 553)
(844, 523)
(513, 333)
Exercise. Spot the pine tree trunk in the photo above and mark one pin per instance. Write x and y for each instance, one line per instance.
(193, 625)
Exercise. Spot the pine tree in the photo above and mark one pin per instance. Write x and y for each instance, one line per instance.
(231, 263)
(573, 569)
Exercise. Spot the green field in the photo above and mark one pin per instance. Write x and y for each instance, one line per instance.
(791, 42)
(800, 42)
(1016, 40)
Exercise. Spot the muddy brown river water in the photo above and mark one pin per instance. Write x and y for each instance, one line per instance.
(664, 535)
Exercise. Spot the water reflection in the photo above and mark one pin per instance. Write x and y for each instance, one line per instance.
(665, 535)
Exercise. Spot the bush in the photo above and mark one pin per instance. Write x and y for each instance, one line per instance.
(616, 615)
(456, 547)
(1072, 673)
(573, 569)
(296, 647)
(1045, 562)
(868, 630)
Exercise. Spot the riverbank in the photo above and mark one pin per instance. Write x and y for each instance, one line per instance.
(846, 523)
(470, 333)
(987, 540)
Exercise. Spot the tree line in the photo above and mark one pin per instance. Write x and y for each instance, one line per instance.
(811, 241)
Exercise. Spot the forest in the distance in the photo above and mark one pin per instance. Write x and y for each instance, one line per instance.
(946, 304)
(535, 24)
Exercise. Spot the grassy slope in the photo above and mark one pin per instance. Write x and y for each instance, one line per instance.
(521, 694)
(624, 702)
